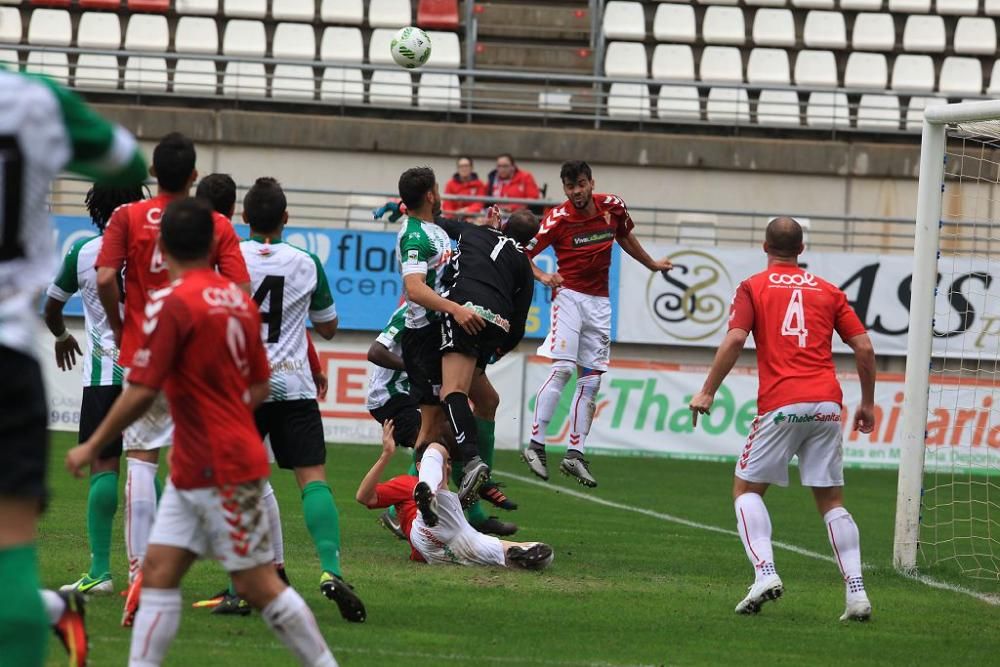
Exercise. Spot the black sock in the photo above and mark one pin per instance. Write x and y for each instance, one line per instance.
(463, 425)
(574, 454)
(537, 446)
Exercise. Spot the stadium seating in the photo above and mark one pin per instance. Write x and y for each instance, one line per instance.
(816, 68)
(866, 70)
(873, 32)
(378, 47)
(205, 7)
(389, 13)
(678, 103)
(628, 101)
(773, 27)
(439, 91)
(100, 4)
(344, 12)
(961, 76)
(245, 9)
(878, 112)
(147, 32)
(55, 65)
(341, 44)
(673, 61)
(50, 27)
(827, 110)
(10, 25)
(148, 5)
(975, 36)
(244, 38)
(342, 85)
(924, 34)
(960, 7)
(915, 110)
(624, 20)
(768, 66)
(293, 10)
(195, 77)
(675, 23)
(145, 74)
(625, 59)
(391, 88)
(778, 107)
(446, 51)
(438, 14)
(721, 64)
(913, 73)
(96, 71)
(98, 30)
(825, 30)
(195, 34)
(728, 106)
(293, 41)
(723, 25)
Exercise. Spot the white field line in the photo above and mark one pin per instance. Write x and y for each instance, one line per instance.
(923, 579)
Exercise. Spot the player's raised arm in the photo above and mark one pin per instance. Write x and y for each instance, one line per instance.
(367, 494)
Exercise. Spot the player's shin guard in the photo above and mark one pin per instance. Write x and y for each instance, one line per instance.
(294, 624)
(548, 397)
(102, 503)
(846, 543)
(582, 413)
(155, 626)
(463, 425)
(323, 522)
(754, 526)
(270, 503)
(24, 625)
(140, 510)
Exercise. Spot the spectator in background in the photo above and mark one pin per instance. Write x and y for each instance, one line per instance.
(464, 182)
(509, 181)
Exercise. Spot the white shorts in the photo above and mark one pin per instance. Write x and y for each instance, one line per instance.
(580, 330)
(228, 524)
(453, 541)
(153, 430)
(811, 431)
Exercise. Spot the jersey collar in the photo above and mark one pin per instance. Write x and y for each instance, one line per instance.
(266, 241)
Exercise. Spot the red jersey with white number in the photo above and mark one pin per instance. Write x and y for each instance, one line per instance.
(203, 349)
(398, 493)
(130, 241)
(583, 244)
(792, 315)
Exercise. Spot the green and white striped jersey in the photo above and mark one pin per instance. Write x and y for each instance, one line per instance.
(288, 283)
(423, 247)
(44, 129)
(384, 383)
(100, 360)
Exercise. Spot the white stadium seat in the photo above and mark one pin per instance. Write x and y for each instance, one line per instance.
(196, 34)
(878, 112)
(866, 70)
(628, 100)
(446, 50)
(94, 71)
(624, 20)
(389, 13)
(147, 32)
(145, 74)
(912, 73)
(342, 85)
(768, 66)
(9, 57)
(910, 6)
(293, 10)
(345, 12)
(813, 4)
(203, 7)
(815, 68)
(991, 7)
(10, 25)
(244, 80)
(245, 9)
(873, 32)
(378, 47)
(728, 105)
(96, 30)
(958, 7)
(678, 103)
(861, 5)
(723, 25)
(765, 3)
(825, 30)
(721, 64)
(341, 44)
(293, 82)
(712, 2)
(391, 88)
(54, 65)
(439, 91)
(195, 77)
(924, 34)
(294, 41)
(674, 23)
(976, 36)
(961, 76)
(915, 110)
(778, 107)
(49, 27)
(993, 90)
(673, 61)
(827, 110)
(625, 59)
(244, 38)
(774, 27)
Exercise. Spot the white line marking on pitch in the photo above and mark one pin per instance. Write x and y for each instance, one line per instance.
(920, 578)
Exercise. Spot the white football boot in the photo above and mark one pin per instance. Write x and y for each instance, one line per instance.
(858, 607)
(763, 590)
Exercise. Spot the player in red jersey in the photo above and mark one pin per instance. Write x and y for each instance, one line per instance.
(202, 347)
(793, 316)
(130, 242)
(581, 231)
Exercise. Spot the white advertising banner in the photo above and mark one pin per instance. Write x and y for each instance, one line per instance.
(690, 304)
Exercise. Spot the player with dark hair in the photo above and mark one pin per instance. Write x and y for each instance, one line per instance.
(582, 231)
(202, 346)
(220, 190)
(290, 284)
(793, 316)
(130, 241)
(102, 376)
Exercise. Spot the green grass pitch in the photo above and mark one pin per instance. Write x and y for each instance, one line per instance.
(626, 588)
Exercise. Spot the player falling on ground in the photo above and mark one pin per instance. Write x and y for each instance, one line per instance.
(289, 284)
(102, 377)
(43, 129)
(793, 315)
(130, 242)
(582, 231)
(203, 348)
(439, 533)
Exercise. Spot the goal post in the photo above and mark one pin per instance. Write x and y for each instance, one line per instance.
(976, 128)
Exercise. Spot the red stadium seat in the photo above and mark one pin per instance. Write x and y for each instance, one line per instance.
(438, 14)
(149, 5)
(51, 3)
(100, 4)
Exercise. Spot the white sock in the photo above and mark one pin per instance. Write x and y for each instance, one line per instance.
(54, 605)
(754, 526)
(582, 413)
(548, 397)
(432, 468)
(846, 543)
(140, 510)
(274, 520)
(155, 626)
(290, 619)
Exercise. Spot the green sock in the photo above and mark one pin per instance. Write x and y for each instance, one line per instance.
(158, 485)
(24, 624)
(486, 430)
(323, 523)
(232, 587)
(102, 503)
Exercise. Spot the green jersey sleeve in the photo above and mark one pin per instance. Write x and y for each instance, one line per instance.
(393, 331)
(321, 305)
(414, 248)
(66, 281)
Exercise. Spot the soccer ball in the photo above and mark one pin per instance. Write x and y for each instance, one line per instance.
(410, 47)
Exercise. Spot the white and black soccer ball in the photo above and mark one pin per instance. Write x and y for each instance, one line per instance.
(410, 47)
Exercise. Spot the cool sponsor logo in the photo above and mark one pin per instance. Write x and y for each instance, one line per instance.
(685, 303)
(225, 297)
(804, 279)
